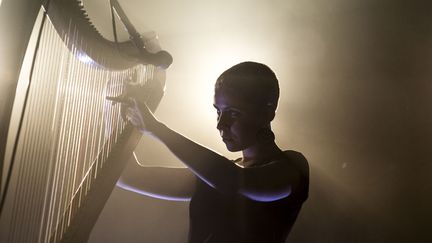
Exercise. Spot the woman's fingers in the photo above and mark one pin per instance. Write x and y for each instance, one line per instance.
(136, 112)
(144, 110)
(125, 102)
(146, 116)
(134, 117)
(120, 99)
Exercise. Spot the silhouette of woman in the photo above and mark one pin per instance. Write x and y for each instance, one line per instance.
(255, 198)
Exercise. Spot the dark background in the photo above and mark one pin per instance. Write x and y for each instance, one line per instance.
(356, 95)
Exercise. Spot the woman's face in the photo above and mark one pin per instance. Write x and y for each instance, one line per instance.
(238, 121)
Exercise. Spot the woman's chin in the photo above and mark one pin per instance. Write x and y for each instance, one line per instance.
(232, 147)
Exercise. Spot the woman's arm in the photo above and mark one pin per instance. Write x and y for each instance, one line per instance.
(267, 183)
(276, 180)
(176, 184)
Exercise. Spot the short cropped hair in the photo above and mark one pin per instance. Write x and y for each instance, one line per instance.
(252, 81)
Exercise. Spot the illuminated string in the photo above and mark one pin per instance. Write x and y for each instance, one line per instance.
(37, 165)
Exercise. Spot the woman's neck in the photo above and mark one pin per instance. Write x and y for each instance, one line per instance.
(260, 154)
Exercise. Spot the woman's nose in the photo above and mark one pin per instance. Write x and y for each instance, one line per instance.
(222, 121)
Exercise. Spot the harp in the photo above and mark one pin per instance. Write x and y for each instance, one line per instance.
(62, 144)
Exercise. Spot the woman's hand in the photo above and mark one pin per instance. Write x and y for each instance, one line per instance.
(136, 112)
(140, 116)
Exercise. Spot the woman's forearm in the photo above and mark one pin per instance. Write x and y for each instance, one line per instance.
(211, 167)
(159, 182)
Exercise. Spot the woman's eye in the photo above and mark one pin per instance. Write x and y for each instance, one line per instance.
(231, 114)
(234, 114)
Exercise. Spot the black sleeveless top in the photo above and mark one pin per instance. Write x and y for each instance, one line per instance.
(223, 218)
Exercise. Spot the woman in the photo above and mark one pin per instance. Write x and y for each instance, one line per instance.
(255, 198)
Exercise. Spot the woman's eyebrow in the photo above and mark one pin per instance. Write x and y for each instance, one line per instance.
(227, 108)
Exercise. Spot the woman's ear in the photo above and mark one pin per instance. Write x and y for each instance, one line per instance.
(270, 112)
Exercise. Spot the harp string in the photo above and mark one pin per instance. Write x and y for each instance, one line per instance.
(33, 168)
(59, 59)
(43, 138)
(60, 109)
(77, 121)
(50, 200)
(65, 151)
